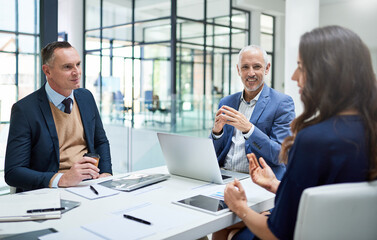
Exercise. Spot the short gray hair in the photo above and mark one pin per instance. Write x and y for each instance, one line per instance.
(251, 47)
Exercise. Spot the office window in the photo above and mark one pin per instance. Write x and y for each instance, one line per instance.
(19, 57)
(268, 42)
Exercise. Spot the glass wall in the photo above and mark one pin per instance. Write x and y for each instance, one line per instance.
(19, 57)
(268, 42)
(128, 60)
(162, 65)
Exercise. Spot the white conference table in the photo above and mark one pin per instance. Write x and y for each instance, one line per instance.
(160, 195)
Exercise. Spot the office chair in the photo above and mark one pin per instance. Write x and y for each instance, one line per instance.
(338, 211)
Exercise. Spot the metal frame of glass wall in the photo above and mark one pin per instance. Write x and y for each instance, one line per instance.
(164, 64)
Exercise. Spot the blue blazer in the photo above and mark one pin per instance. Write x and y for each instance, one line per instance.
(32, 155)
(271, 117)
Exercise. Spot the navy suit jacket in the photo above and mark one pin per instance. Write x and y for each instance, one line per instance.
(271, 117)
(32, 155)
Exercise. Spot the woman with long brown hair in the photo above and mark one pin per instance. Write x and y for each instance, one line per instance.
(333, 141)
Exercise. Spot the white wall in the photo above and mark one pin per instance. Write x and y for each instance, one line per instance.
(301, 16)
(358, 15)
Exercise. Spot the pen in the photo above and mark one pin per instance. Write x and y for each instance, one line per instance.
(136, 219)
(93, 189)
(45, 210)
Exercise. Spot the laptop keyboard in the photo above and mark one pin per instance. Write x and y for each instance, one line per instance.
(225, 177)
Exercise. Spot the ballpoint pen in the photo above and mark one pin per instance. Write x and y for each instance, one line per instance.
(93, 189)
(45, 210)
(136, 219)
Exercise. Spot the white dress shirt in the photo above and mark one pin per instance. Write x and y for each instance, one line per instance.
(236, 159)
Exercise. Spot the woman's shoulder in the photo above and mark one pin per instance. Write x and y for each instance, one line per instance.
(334, 129)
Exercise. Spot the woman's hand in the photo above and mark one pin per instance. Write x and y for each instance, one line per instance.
(263, 176)
(235, 198)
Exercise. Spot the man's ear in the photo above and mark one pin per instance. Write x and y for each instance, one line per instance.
(46, 69)
(267, 68)
(238, 70)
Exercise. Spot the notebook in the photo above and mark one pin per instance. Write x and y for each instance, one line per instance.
(18, 206)
(194, 157)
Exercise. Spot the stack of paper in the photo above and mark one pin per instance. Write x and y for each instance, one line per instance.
(14, 207)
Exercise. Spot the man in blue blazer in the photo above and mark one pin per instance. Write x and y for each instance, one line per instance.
(52, 128)
(255, 120)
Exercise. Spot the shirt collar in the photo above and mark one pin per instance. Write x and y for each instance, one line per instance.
(54, 97)
(254, 99)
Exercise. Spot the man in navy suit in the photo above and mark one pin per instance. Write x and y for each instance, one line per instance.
(255, 120)
(52, 128)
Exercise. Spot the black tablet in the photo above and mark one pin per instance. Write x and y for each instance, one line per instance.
(204, 203)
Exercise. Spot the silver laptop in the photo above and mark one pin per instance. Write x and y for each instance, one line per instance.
(194, 157)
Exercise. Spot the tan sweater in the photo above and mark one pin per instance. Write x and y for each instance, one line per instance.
(72, 144)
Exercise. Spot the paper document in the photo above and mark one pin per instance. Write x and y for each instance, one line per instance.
(92, 192)
(74, 233)
(14, 207)
(162, 218)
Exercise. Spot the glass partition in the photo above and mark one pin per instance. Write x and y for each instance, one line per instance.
(267, 42)
(19, 57)
(148, 76)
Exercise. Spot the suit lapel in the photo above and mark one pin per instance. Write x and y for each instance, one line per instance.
(235, 102)
(44, 105)
(264, 98)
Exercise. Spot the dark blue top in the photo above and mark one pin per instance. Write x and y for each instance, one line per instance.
(333, 151)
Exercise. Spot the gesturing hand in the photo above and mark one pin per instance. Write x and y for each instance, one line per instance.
(81, 170)
(234, 118)
(235, 197)
(219, 123)
(263, 176)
